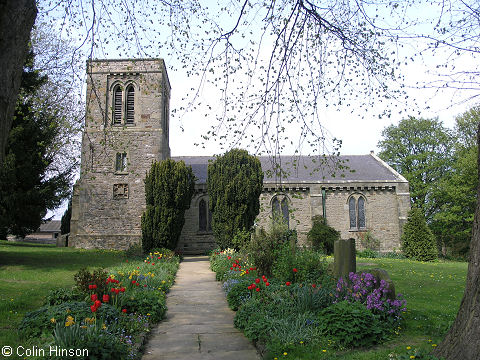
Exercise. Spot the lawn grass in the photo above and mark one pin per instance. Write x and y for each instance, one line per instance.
(29, 271)
(433, 292)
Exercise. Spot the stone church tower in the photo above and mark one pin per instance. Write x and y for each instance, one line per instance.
(126, 129)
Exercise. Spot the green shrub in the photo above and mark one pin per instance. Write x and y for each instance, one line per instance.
(311, 265)
(43, 320)
(321, 236)
(146, 302)
(368, 241)
(238, 293)
(350, 325)
(368, 253)
(101, 344)
(83, 278)
(251, 319)
(309, 299)
(235, 182)
(241, 239)
(169, 187)
(263, 248)
(418, 241)
(61, 295)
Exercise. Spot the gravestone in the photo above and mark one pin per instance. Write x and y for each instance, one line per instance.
(344, 258)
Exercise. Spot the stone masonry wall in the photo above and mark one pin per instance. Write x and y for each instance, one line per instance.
(107, 203)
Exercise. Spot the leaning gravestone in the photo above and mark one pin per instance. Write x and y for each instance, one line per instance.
(344, 258)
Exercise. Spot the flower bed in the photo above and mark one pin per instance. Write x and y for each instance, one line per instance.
(300, 304)
(107, 312)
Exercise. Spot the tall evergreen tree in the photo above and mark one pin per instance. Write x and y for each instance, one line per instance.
(235, 182)
(418, 241)
(28, 184)
(169, 188)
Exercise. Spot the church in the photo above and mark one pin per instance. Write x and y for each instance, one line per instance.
(127, 128)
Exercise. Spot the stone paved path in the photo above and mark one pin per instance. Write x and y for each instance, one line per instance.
(199, 324)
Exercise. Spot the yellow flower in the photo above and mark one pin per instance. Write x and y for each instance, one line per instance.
(301, 342)
(148, 314)
(412, 356)
(53, 321)
(70, 321)
(284, 354)
(104, 326)
(83, 327)
(434, 345)
(163, 281)
(324, 350)
(408, 347)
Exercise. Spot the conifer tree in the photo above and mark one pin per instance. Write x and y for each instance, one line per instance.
(235, 182)
(169, 188)
(418, 241)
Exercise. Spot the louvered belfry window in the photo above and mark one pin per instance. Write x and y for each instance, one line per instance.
(117, 105)
(130, 108)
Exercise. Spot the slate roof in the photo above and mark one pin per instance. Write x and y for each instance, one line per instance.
(305, 169)
(50, 226)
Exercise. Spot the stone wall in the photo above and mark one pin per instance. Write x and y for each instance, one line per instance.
(108, 203)
(382, 212)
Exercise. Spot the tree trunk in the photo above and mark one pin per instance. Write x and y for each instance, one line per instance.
(463, 339)
(16, 20)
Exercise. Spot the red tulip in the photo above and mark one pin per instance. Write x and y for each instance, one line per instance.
(93, 297)
(153, 263)
(124, 311)
(117, 291)
(229, 257)
(257, 289)
(295, 270)
(133, 281)
(112, 290)
(288, 283)
(257, 280)
(247, 272)
(98, 303)
(93, 308)
(267, 284)
(122, 289)
(105, 298)
(231, 268)
(314, 286)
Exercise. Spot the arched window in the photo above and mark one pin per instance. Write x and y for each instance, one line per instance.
(117, 105)
(356, 211)
(202, 215)
(130, 106)
(280, 209)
